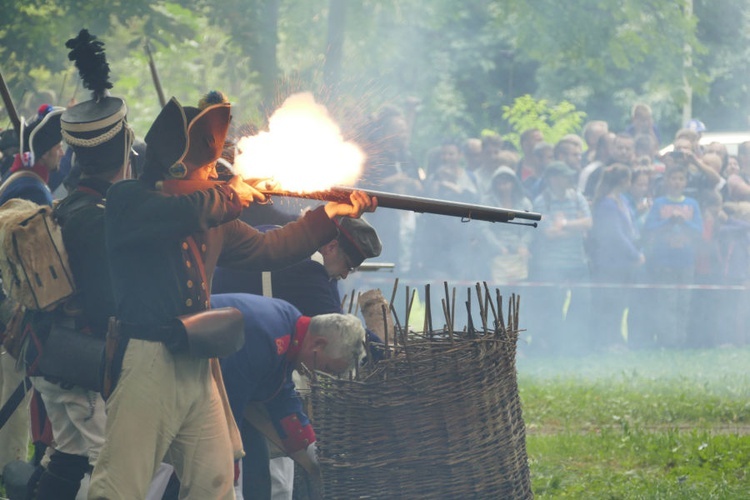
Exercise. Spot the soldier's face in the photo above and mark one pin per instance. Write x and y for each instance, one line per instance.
(201, 173)
(337, 262)
(51, 159)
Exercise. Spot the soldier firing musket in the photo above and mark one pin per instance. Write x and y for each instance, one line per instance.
(305, 156)
(466, 211)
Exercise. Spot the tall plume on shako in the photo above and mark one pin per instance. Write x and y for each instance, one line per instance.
(88, 55)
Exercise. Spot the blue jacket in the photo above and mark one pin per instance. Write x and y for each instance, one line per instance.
(306, 285)
(262, 370)
(671, 242)
(28, 188)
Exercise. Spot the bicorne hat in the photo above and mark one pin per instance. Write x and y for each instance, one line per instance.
(183, 139)
(42, 133)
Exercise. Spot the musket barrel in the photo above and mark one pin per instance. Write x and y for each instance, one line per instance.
(9, 107)
(341, 194)
(155, 76)
(418, 204)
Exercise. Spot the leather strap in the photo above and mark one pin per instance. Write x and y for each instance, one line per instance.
(193, 247)
(14, 401)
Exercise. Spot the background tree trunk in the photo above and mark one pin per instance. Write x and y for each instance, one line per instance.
(266, 62)
(334, 52)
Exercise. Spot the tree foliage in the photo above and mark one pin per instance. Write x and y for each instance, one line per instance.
(464, 61)
(553, 120)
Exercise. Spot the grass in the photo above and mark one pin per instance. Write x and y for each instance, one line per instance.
(639, 425)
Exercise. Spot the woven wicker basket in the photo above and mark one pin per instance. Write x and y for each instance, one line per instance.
(440, 417)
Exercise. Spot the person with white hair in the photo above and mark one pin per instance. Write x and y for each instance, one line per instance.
(278, 340)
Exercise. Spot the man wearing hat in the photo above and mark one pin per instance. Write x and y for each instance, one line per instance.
(39, 154)
(311, 285)
(163, 249)
(99, 135)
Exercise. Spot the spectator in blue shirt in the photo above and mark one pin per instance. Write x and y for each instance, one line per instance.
(672, 230)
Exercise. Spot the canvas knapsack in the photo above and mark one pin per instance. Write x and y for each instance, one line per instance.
(33, 261)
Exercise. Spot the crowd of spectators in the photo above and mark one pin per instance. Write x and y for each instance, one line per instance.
(635, 249)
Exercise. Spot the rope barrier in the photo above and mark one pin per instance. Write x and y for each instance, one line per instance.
(563, 284)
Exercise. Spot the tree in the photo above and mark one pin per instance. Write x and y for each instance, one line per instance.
(33, 38)
(604, 55)
(464, 61)
(554, 121)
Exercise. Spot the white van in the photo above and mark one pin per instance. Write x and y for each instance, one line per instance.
(730, 139)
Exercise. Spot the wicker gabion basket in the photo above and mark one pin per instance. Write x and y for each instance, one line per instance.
(438, 417)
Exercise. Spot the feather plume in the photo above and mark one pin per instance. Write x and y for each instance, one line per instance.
(211, 98)
(88, 54)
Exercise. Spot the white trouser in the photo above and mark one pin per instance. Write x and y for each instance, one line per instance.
(282, 478)
(77, 417)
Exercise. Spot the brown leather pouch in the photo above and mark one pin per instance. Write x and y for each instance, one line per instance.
(216, 333)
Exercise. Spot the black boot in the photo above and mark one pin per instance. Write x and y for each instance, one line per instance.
(16, 476)
(62, 479)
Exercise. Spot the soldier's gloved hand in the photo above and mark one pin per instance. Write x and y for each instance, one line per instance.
(247, 193)
(312, 453)
(268, 184)
(359, 203)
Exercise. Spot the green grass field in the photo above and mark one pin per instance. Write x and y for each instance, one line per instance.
(639, 425)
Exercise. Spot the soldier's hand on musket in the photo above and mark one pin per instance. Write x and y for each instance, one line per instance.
(264, 185)
(359, 203)
(247, 193)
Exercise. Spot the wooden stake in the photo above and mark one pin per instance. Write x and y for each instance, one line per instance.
(447, 320)
(491, 304)
(393, 293)
(482, 308)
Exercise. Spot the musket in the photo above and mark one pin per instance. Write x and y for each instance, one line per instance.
(340, 194)
(155, 75)
(9, 107)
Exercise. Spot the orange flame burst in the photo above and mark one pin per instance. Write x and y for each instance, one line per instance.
(303, 149)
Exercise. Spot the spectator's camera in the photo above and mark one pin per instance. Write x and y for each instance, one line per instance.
(678, 155)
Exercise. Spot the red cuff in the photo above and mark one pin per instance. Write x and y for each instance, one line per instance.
(298, 436)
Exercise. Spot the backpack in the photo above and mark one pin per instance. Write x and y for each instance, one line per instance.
(33, 261)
